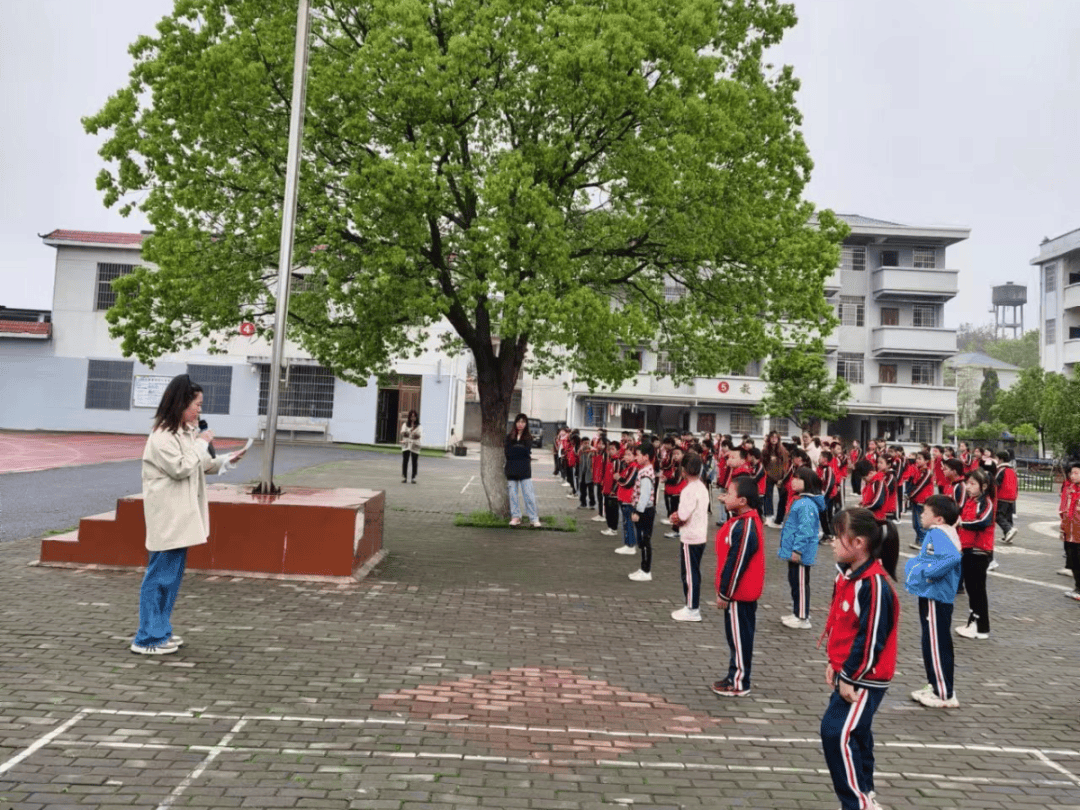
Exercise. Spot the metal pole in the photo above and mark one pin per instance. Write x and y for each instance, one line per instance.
(288, 226)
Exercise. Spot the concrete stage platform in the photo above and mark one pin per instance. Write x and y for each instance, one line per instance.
(302, 533)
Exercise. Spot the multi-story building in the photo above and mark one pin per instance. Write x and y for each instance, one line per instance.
(889, 293)
(67, 373)
(1059, 302)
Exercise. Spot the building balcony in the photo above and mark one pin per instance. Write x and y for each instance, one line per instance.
(921, 398)
(1070, 352)
(1071, 297)
(908, 283)
(911, 341)
(736, 390)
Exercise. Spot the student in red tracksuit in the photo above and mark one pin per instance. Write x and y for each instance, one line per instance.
(599, 467)
(625, 483)
(920, 487)
(875, 498)
(1007, 489)
(740, 578)
(854, 456)
(759, 477)
(611, 500)
(1069, 510)
(937, 464)
(673, 489)
(830, 490)
(976, 530)
(861, 632)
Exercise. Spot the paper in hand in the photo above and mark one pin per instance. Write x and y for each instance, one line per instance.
(230, 460)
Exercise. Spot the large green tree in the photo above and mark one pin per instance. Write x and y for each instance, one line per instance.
(535, 172)
(801, 387)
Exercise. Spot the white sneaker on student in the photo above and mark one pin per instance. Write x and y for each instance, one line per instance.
(641, 576)
(1065, 572)
(971, 630)
(929, 699)
(608, 532)
(795, 623)
(993, 564)
(685, 614)
(1009, 535)
(665, 521)
(625, 549)
(598, 518)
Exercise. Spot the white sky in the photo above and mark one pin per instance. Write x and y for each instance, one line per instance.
(923, 112)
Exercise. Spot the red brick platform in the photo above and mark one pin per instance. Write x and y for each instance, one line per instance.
(303, 532)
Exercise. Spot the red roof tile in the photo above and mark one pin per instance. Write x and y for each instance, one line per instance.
(97, 237)
(25, 327)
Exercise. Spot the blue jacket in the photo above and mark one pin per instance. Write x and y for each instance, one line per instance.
(800, 531)
(935, 572)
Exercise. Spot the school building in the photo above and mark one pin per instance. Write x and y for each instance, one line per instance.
(1059, 302)
(62, 371)
(889, 294)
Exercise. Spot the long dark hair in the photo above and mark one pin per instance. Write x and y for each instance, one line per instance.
(180, 392)
(409, 419)
(526, 437)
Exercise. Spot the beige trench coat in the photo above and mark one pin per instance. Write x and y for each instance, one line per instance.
(410, 438)
(174, 467)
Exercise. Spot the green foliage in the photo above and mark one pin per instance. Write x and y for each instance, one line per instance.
(1022, 352)
(801, 387)
(988, 392)
(1026, 433)
(1023, 401)
(539, 173)
(983, 432)
(1059, 415)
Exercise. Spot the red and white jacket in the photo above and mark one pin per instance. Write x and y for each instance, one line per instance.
(861, 628)
(976, 526)
(1006, 483)
(921, 484)
(740, 558)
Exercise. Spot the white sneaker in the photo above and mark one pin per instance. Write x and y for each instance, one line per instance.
(536, 524)
(993, 564)
(676, 534)
(685, 614)
(1065, 572)
(608, 532)
(787, 617)
(641, 576)
(598, 518)
(571, 495)
(1073, 595)
(927, 698)
(795, 623)
(971, 631)
(566, 483)
(665, 521)
(1009, 535)
(165, 648)
(625, 549)
(515, 521)
(923, 690)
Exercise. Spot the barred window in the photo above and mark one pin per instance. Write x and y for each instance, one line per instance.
(309, 393)
(853, 257)
(595, 414)
(852, 310)
(1050, 277)
(665, 365)
(925, 258)
(922, 372)
(216, 383)
(108, 384)
(925, 316)
(850, 367)
(106, 274)
(744, 421)
(889, 258)
(922, 430)
(887, 374)
(1050, 332)
(706, 423)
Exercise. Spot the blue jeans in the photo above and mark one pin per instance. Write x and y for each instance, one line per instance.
(164, 573)
(916, 522)
(629, 532)
(525, 487)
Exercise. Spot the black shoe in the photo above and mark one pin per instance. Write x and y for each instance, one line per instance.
(404, 480)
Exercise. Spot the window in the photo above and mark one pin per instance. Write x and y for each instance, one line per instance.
(925, 258)
(1050, 332)
(309, 393)
(921, 430)
(674, 290)
(752, 369)
(744, 421)
(887, 374)
(108, 385)
(889, 258)
(852, 310)
(1074, 278)
(890, 316)
(925, 316)
(216, 382)
(706, 423)
(664, 365)
(636, 358)
(106, 274)
(852, 257)
(1050, 277)
(922, 372)
(850, 367)
(595, 414)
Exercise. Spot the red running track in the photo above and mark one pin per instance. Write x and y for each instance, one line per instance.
(29, 452)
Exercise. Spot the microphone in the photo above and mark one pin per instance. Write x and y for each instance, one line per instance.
(210, 445)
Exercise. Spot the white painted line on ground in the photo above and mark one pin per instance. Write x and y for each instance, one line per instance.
(467, 485)
(213, 754)
(1051, 585)
(44, 740)
(1057, 767)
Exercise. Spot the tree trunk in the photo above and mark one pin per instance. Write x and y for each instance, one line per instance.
(494, 411)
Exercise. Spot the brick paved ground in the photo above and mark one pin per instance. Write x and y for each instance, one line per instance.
(503, 669)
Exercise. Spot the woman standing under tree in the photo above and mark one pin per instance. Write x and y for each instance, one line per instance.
(174, 466)
(410, 445)
(519, 471)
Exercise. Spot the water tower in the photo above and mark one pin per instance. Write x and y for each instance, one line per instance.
(1009, 300)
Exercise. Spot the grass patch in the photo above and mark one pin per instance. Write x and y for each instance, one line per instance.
(52, 532)
(489, 520)
(391, 449)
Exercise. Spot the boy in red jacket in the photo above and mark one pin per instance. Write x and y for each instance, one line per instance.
(1007, 488)
(740, 578)
(861, 633)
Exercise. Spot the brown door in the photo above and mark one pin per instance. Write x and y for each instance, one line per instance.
(890, 316)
